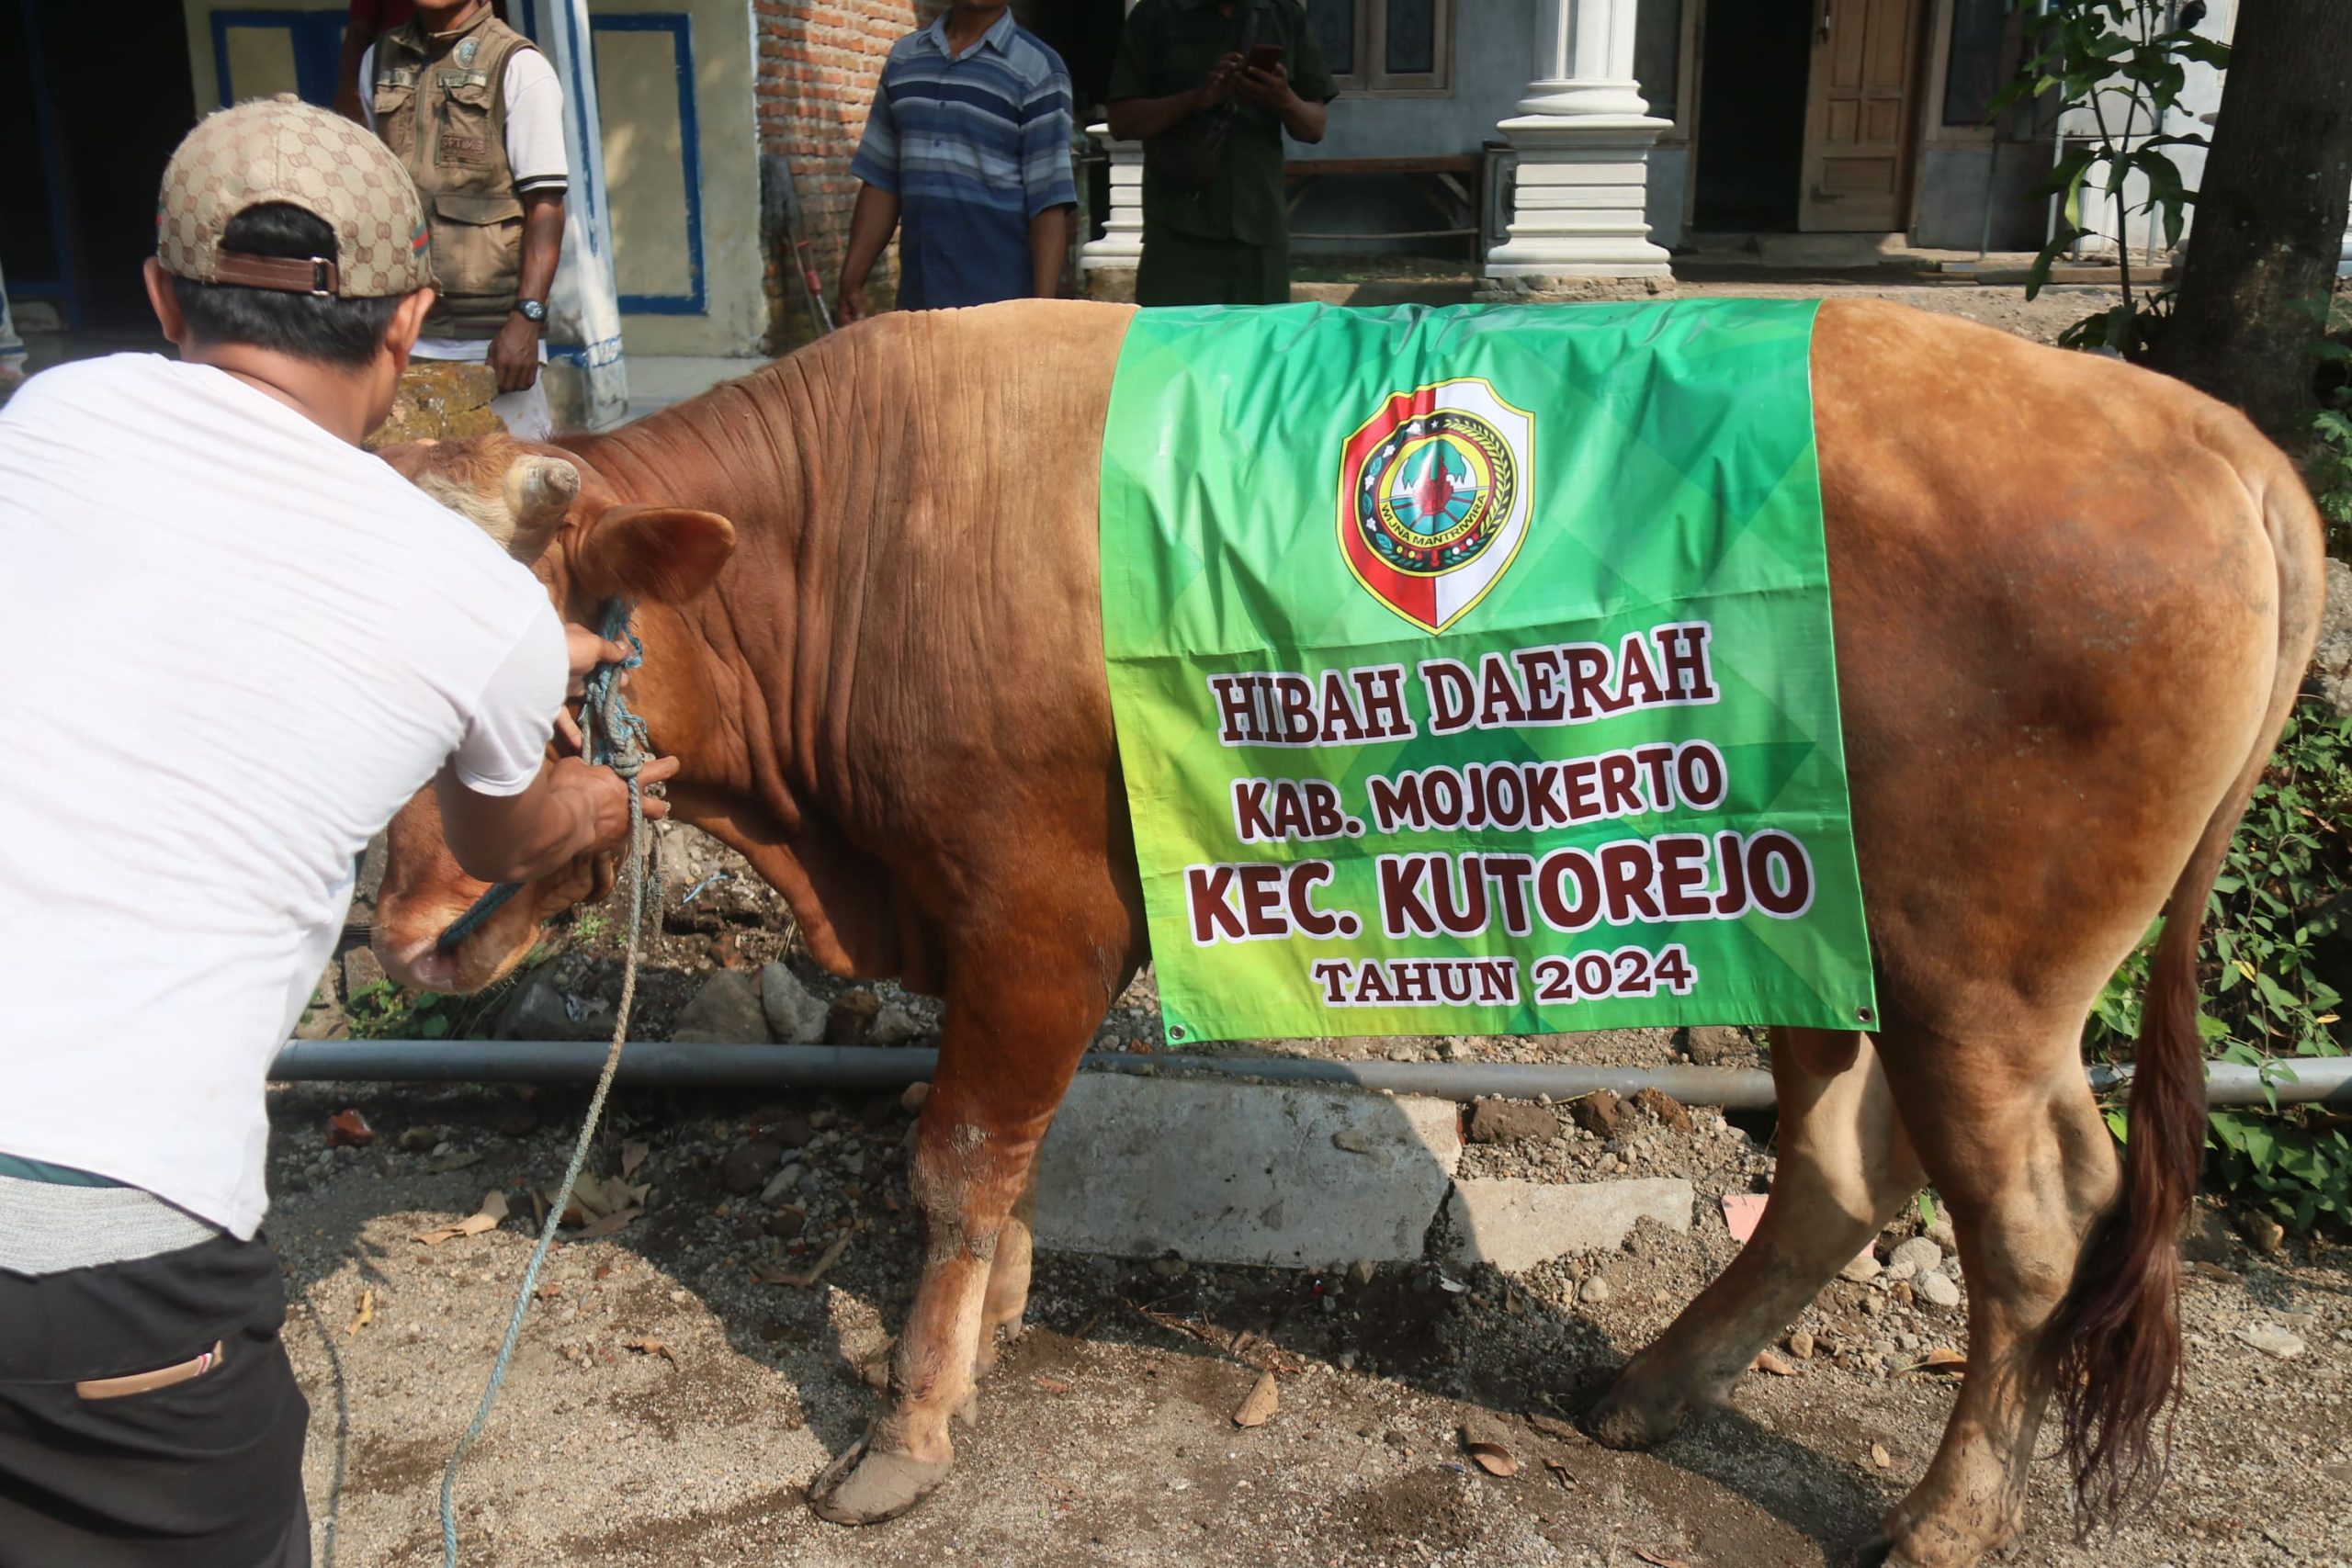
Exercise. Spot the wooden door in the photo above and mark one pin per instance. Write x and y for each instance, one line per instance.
(1860, 114)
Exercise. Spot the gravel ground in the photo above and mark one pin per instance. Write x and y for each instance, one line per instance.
(667, 1407)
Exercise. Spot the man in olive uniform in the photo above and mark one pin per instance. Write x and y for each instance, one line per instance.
(1216, 229)
(475, 113)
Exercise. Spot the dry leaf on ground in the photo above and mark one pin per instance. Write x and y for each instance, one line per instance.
(1484, 1439)
(1651, 1555)
(366, 1313)
(769, 1274)
(608, 1224)
(1567, 1476)
(650, 1347)
(488, 1217)
(633, 1156)
(1943, 1360)
(1259, 1406)
(1050, 1385)
(1879, 1457)
(1767, 1363)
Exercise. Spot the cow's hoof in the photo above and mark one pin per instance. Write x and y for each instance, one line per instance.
(1622, 1422)
(1880, 1552)
(864, 1487)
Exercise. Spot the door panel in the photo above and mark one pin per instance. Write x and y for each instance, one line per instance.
(1860, 114)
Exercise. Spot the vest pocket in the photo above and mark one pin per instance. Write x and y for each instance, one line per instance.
(393, 121)
(477, 246)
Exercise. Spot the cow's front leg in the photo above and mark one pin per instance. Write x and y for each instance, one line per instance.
(1015, 1030)
(1845, 1169)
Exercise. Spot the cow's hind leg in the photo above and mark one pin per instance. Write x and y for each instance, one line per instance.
(1845, 1169)
(1019, 1017)
(2008, 1132)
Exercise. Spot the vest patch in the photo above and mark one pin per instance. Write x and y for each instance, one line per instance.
(465, 148)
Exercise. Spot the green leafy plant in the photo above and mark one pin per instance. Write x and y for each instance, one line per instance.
(2276, 928)
(2126, 62)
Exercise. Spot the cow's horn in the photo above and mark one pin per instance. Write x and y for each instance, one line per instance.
(539, 492)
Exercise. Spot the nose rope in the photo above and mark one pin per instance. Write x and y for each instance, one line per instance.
(618, 739)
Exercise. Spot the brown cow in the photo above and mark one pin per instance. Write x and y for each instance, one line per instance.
(2074, 601)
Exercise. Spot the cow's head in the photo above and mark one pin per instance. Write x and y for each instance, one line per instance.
(548, 509)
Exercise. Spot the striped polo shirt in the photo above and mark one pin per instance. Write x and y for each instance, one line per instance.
(973, 146)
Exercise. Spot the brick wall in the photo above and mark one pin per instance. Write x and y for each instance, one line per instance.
(819, 62)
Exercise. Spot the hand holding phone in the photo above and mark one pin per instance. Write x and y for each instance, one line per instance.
(1266, 57)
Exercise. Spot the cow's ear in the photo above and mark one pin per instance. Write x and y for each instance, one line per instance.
(667, 554)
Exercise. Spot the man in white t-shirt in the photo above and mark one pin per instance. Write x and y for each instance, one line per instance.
(474, 112)
(242, 645)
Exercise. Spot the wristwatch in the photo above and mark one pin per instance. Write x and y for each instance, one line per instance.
(534, 310)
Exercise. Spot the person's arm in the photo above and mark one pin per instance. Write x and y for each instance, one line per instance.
(871, 223)
(572, 808)
(359, 29)
(515, 352)
(508, 811)
(1140, 120)
(1049, 250)
(1050, 184)
(346, 76)
(1272, 90)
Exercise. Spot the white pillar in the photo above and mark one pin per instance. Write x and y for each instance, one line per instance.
(1121, 246)
(1583, 134)
(12, 347)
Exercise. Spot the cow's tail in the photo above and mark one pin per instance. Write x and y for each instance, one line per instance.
(2114, 1342)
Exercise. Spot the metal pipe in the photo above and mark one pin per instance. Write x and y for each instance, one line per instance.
(668, 1064)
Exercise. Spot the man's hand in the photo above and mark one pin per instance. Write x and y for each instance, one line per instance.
(1267, 89)
(514, 353)
(1223, 81)
(601, 796)
(585, 650)
(572, 809)
(851, 306)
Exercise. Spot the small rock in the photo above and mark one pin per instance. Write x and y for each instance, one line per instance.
(1924, 1256)
(1362, 1270)
(1872, 1306)
(794, 1015)
(420, 1140)
(782, 1183)
(1902, 1293)
(1938, 1289)
(1709, 1043)
(1940, 1230)
(2271, 1340)
(745, 1169)
(1595, 1292)
(1510, 1122)
(2205, 1237)
(1860, 1269)
(787, 1221)
(1170, 1268)
(911, 1100)
(1352, 1140)
(540, 1012)
(1598, 1113)
(726, 1011)
(2264, 1234)
(895, 1023)
(851, 1019)
(1667, 1109)
(362, 970)
(1801, 1345)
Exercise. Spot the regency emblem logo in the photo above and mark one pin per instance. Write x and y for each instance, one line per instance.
(1434, 499)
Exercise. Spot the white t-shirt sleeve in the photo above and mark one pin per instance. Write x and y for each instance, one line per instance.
(535, 123)
(506, 734)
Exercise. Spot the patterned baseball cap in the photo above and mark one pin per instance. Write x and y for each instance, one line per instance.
(282, 149)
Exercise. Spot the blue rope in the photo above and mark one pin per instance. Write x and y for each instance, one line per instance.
(618, 739)
(596, 694)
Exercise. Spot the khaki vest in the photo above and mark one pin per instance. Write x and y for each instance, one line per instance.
(446, 120)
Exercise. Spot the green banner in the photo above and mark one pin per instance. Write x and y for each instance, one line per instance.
(1472, 671)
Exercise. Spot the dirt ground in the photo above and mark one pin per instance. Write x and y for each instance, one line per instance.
(667, 1404)
(667, 1407)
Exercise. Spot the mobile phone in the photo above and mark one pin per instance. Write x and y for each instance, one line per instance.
(1266, 57)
